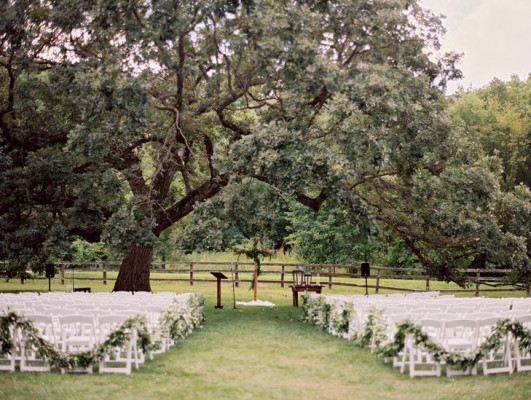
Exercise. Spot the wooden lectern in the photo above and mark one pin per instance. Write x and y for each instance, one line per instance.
(219, 276)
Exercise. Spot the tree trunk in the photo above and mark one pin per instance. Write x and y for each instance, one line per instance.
(134, 271)
(255, 281)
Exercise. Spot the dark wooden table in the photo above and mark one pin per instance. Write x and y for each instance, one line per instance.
(303, 288)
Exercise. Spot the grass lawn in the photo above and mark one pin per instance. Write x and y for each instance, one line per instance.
(256, 353)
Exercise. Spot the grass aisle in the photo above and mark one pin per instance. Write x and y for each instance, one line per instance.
(261, 353)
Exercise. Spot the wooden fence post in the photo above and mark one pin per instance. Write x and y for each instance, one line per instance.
(378, 281)
(330, 277)
(191, 274)
(62, 275)
(104, 273)
(427, 283)
(282, 276)
(478, 275)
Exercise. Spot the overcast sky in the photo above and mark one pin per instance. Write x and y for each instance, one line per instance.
(494, 35)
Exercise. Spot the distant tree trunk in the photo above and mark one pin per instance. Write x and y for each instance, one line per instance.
(255, 280)
(134, 271)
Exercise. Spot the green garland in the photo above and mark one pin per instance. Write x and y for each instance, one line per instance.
(70, 361)
(317, 311)
(178, 321)
(457, 359)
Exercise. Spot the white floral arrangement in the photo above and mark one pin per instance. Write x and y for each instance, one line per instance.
(340, 317)
(179, 319)
(331, 314)
(316, 310)
(374, 333)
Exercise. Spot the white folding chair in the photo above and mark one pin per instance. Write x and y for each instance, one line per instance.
(31, 358)
(459, 335)
(120, 360)
(8, 360)
(77, 334)
(497, 361)
(417, 358)
(523, 358)
(392, 323)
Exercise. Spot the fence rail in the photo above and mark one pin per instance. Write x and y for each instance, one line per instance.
(281, 273)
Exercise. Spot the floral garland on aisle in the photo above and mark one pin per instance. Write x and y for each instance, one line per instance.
(339, 319)
(177, 321)
(373, 334)
(316, 311)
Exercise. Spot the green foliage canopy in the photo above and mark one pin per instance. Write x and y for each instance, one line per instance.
(118, 118)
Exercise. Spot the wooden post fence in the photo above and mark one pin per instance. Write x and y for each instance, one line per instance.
(185, 273)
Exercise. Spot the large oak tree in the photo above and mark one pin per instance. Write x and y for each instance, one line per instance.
(118, 118)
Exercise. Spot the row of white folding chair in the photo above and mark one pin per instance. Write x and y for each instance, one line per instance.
(81, 305)
(455, 308)
(102, 301)
(91, 296)
(84, 294)
(522, 306)
(426, 309)
(150, 312)
(463, 312)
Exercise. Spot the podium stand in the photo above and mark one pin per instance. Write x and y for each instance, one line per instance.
(219, 276)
